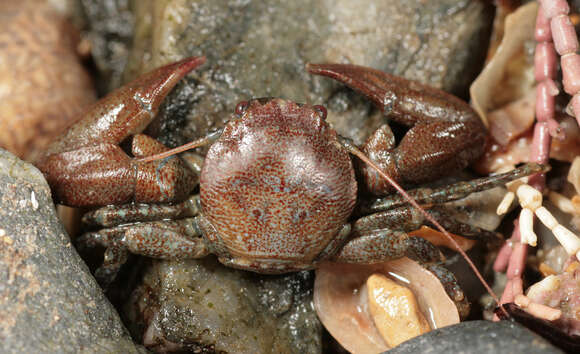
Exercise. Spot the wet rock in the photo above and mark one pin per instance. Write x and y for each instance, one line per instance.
(203, 306)
(258, 49)
(49, 302)
(478, 337)
(109, 27)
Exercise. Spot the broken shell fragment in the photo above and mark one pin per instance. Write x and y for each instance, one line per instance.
(341, 299)
(488, 92)
(574, 174)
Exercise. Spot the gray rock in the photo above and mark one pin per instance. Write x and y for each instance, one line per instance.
(260, 48)
(109, 26)
(49, 302)
(203, 306)
(478, 337)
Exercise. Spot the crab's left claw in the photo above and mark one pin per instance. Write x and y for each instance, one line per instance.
(444, 135)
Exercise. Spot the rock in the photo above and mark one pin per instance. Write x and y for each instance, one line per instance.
(49, 302)
(478, 337)
(43, 84)
(199, 305)
(258, 49)
(109, 27)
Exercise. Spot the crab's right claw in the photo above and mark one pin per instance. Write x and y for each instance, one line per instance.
(125, 111)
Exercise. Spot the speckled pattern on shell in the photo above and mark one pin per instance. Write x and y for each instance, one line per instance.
(161, 181)
(277, 185)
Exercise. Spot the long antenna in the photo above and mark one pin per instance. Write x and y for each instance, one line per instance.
(208, 139)
(355, 151)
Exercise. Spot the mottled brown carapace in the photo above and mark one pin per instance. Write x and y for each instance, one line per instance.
(277, 185)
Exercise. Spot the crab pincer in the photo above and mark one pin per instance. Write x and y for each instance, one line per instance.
(444, 135)
(86, 167)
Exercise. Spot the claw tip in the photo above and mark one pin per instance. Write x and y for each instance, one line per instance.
(313, 68)
(191, 63)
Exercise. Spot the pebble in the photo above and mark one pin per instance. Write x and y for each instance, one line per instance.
(200, 305)
(49, 302)
(478, 337)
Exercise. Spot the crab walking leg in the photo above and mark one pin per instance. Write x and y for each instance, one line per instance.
(410, 219)
(180, 239)
(377, 246)
(85, 166)
(113, 259)
(113, 215)
(453, 192)
(382, 245)
(349, 146)
(445, 133)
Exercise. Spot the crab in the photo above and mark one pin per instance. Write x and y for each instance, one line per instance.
(277, 190)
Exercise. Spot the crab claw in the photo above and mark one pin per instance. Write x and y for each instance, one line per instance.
(86, 167)
(444, 135)
(125, 111)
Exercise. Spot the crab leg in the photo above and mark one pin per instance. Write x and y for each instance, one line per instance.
(445, 133)
(178, 239)
(410, 219)
(113, 215)
(452, 192)
(386, 244)
(381, 245)
(86, 167)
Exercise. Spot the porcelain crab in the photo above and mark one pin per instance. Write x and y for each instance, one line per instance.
(277, 187)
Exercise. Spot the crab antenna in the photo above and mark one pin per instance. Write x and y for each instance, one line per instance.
(355, 151)
(208, 139)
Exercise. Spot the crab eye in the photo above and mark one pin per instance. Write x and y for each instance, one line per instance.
(241, 108)
(321, 110)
